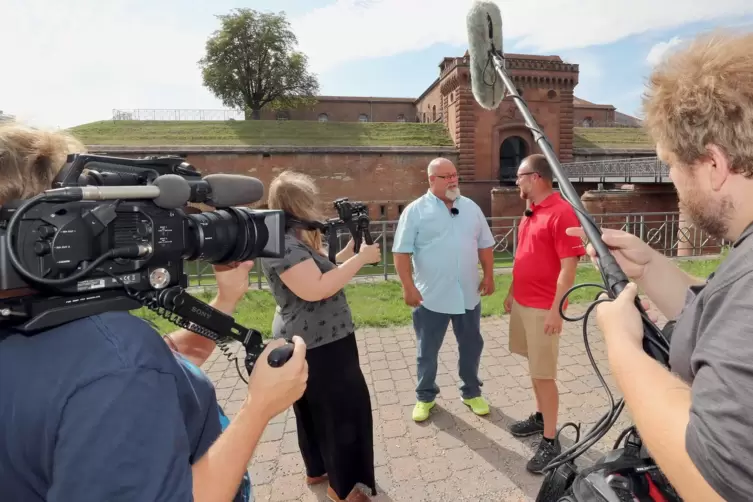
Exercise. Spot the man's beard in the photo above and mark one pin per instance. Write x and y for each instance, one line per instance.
(452, 193)
(710, 216)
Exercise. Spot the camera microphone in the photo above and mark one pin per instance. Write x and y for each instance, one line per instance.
(169, 191)
(226, 190)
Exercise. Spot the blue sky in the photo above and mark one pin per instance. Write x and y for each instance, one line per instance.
(74, 61)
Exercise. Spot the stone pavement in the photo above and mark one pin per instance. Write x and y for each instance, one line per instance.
(455, 455)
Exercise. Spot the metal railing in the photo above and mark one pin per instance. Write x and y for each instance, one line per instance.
(665, 232)
(640, 170)
(177, 114)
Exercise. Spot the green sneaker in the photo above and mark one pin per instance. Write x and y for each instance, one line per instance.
(421, 410)
(478, 405)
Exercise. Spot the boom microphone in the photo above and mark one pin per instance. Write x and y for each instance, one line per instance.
(226, 190)
(485, 50)
(655, 344)
(169, 191)
(484, 23)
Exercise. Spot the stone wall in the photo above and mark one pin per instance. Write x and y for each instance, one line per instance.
(385, 178)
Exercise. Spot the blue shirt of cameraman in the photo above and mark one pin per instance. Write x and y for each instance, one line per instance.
(101, 409)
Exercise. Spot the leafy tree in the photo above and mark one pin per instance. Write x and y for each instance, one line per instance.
(250, 63)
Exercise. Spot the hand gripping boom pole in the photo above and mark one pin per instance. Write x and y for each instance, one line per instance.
(615, 279)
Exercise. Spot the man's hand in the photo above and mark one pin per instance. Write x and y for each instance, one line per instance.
(232, 282)
(486, 287)
(632, 254)
(412, 296)
(553, 322)
(273, 390)
(620, 317)
(508, 303)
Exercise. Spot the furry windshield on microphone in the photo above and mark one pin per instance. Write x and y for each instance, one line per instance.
(487, 87)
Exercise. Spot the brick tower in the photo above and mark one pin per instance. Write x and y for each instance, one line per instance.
(491, 143)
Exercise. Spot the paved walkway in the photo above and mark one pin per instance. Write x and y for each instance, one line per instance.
(455, 455)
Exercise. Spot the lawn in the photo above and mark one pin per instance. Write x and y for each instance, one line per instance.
(611, 137)
(380, 303)
(310, 133)
(261, 132)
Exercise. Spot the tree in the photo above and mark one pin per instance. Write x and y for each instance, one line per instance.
(250, 63)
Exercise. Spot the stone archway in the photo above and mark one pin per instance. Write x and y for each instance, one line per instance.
(512, 151)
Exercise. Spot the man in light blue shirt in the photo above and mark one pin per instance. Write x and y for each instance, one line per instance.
(446, 235)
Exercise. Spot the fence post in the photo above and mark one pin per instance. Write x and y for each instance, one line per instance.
(384, 248)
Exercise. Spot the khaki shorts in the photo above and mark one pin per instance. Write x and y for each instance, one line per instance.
(527, 338)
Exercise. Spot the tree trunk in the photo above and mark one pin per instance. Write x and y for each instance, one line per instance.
(253, 114)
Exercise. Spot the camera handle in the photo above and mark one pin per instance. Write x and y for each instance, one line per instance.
(188, 312)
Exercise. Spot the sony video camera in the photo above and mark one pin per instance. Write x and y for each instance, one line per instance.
(113, 234)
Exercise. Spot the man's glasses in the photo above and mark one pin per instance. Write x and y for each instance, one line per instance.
(447, 177)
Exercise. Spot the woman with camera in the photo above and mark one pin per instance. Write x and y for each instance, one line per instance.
(334, 422)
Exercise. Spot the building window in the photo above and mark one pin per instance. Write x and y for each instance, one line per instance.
(551, 94)
(382, 210)
(323, 117)
(400, 208)
(434, 113)
(401, 118)
(363, 118)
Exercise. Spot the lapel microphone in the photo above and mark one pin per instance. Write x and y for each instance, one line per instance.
(454, 211)
(528, 212)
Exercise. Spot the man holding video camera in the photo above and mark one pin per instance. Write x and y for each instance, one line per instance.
(102, 408)
(697, 419)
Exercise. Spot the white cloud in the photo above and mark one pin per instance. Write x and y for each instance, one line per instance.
(343, 32)
(660, 50)
(67, 62)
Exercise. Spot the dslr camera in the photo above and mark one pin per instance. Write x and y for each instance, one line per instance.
(113, 234)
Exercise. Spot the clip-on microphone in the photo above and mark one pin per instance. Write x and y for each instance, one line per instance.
(528, 212)
(454, 211)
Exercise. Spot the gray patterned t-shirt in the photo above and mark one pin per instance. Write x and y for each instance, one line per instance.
(319, 322)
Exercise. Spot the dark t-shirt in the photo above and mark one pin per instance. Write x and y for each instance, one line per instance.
(101, 409)
(318, 323)
(712, 350)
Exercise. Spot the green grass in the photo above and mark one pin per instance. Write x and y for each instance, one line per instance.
(261, 132)
(611, 137)
(380, 303)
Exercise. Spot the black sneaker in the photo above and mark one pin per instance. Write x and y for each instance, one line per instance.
(547, 451)
(528, 427)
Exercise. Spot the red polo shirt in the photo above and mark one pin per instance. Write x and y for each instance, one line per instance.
(542, 243)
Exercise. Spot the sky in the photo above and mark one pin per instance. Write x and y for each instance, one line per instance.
(70, 62)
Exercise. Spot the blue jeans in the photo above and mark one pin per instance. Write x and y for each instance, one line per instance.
(430, 330)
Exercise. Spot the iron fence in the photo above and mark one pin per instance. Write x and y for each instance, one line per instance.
(177, 114)
(664, 231)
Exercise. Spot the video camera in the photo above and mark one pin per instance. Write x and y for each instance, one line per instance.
(353, 215)
(113, 234)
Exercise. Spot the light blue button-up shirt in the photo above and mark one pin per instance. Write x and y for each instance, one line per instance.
(445, 251)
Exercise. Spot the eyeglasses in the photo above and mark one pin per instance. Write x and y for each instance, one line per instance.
(525, 174)
(447, 177)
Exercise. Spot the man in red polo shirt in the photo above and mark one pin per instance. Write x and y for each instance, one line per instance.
(544, 269)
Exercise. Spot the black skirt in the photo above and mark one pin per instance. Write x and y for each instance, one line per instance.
(335, 426)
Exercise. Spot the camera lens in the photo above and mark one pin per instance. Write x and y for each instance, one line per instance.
(226, 235)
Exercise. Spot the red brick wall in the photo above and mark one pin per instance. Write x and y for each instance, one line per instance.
(598, 115)
(389, 177)
(346, 109)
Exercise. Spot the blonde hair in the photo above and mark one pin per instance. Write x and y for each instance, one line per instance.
(31, 158)
(704, 95)
(298, 195)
